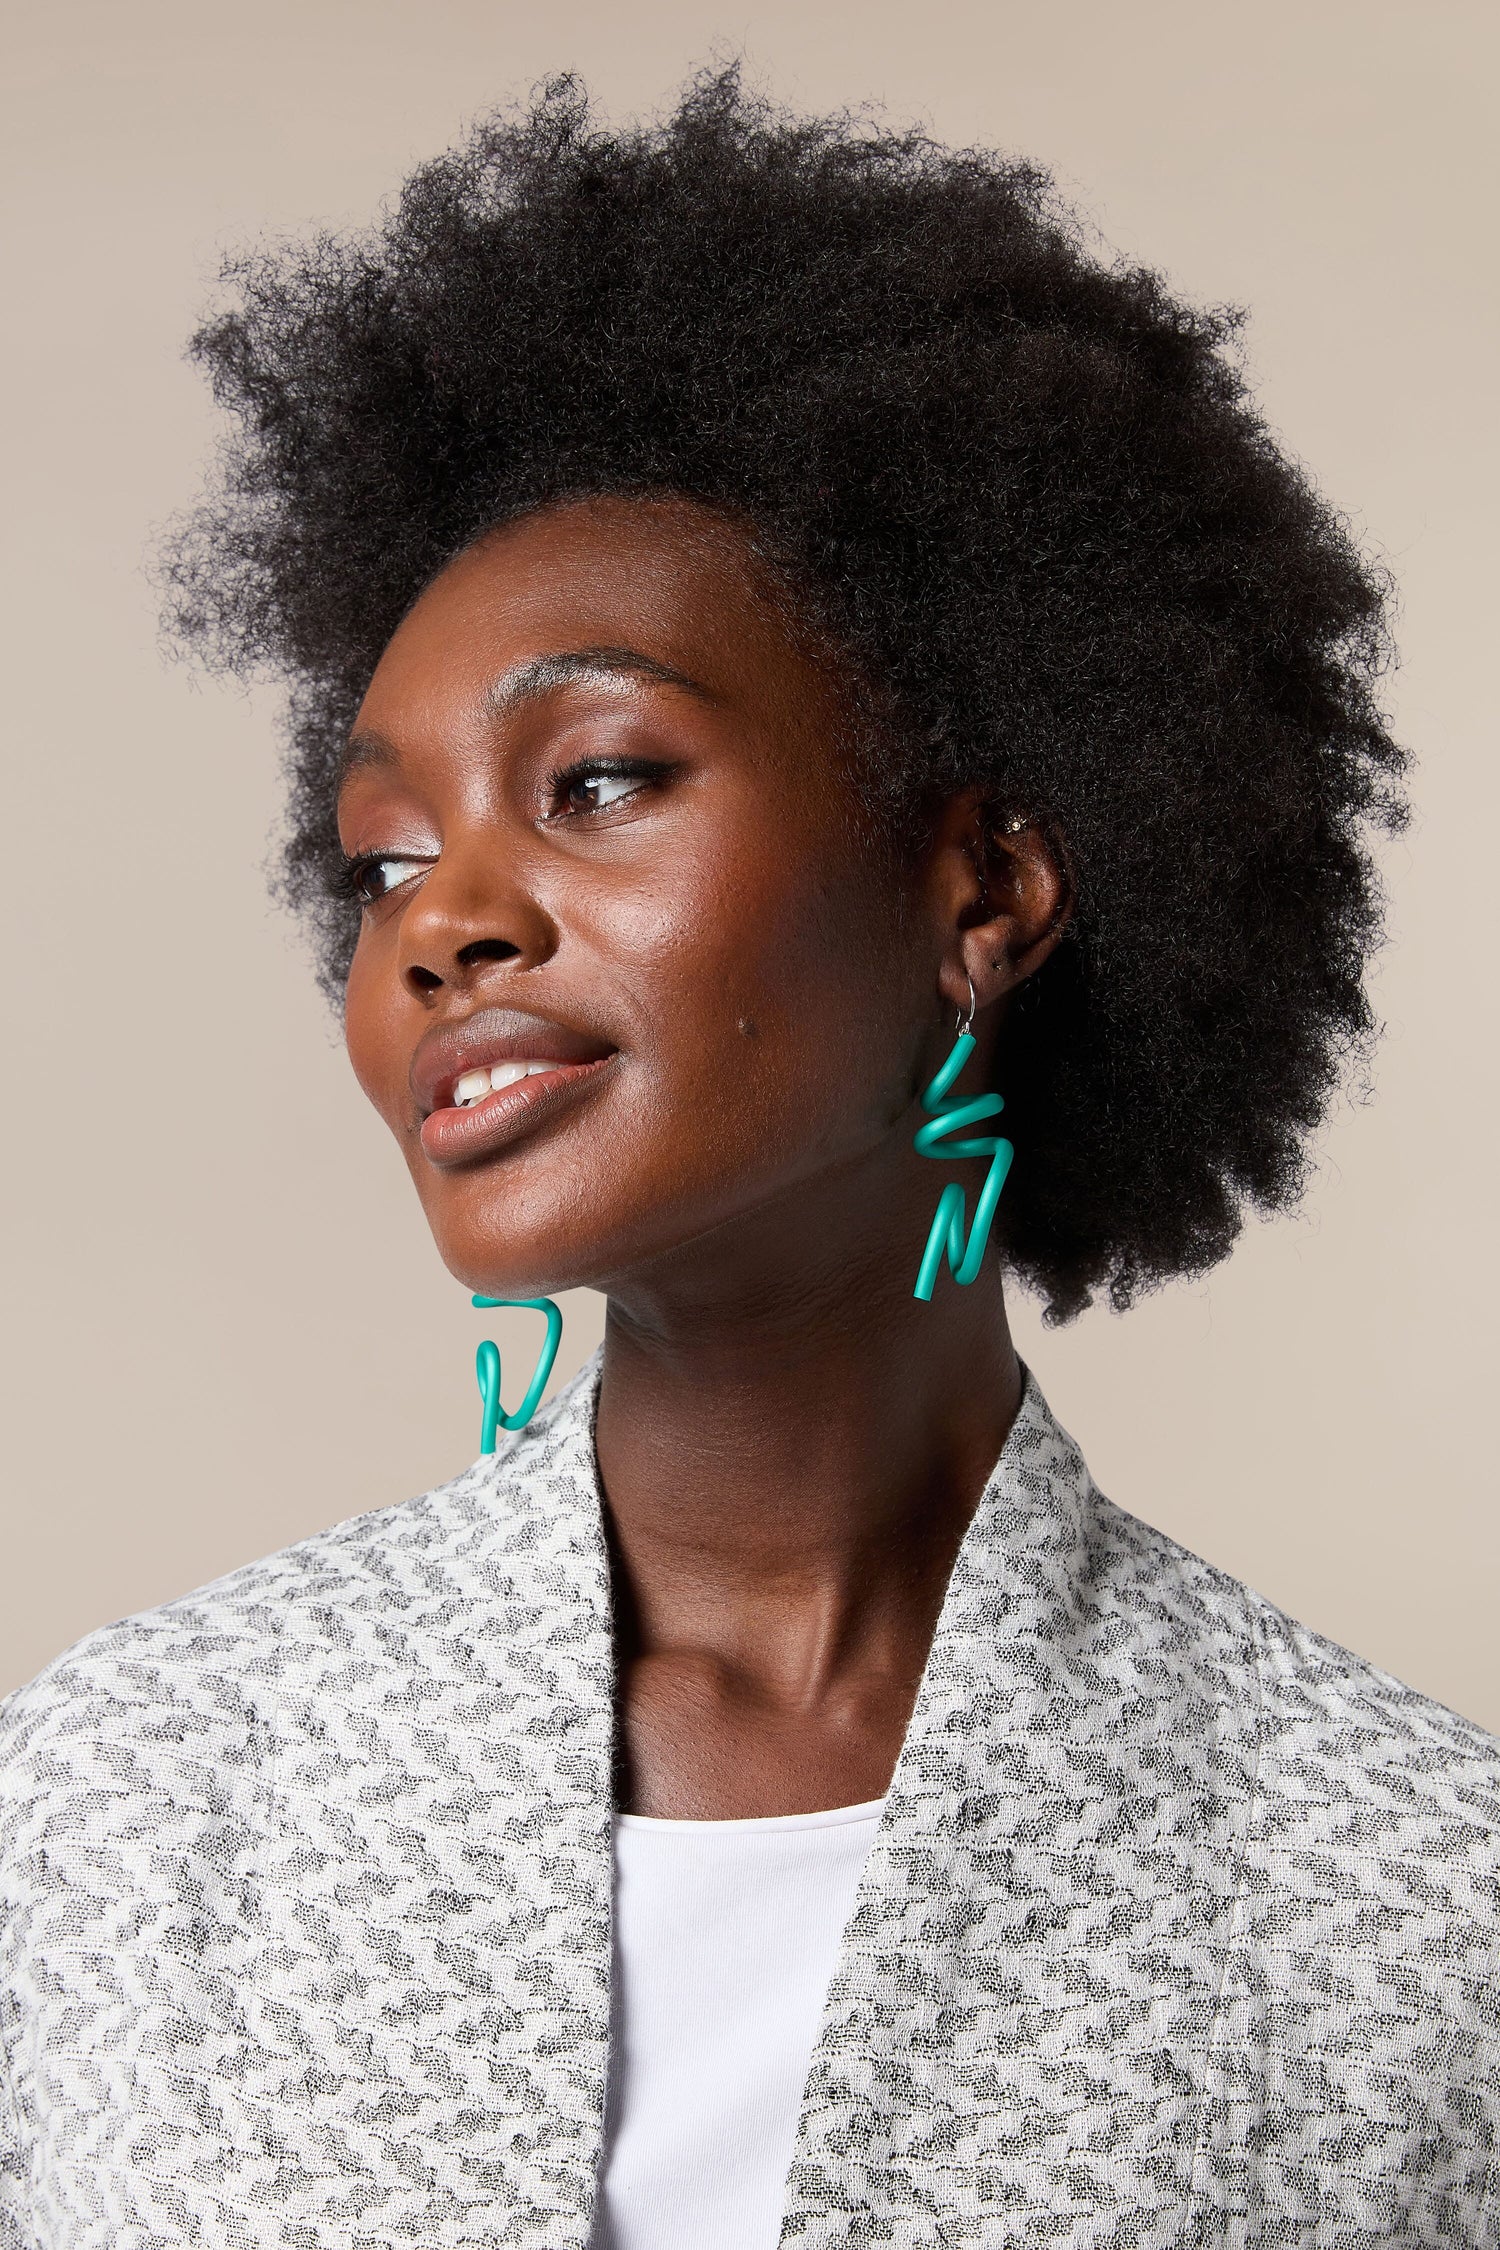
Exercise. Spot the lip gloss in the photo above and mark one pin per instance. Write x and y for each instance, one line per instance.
(457, 1136)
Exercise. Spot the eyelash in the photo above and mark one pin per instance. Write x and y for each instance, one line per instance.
(566, 778)
(353, 874)
(350, 880)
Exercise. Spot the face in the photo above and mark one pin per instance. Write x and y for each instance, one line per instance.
(634, 990)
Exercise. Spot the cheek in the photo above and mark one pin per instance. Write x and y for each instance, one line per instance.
(773, 1011)
(373, 1032)
(765, 1001)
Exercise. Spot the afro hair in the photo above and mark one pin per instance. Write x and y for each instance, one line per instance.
(1022, 486)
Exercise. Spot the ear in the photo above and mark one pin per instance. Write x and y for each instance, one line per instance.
(1004, 892)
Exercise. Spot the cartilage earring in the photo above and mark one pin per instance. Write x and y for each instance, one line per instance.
(487, 1368)
(946, 1236)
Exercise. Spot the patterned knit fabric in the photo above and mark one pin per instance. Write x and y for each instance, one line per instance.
(1182, 1927)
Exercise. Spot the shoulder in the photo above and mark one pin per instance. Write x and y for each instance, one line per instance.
(1379, 1806)
(1319, 1701)
(136, 1706)
(336, 1616)
(1360, 1785)
(259, 1611)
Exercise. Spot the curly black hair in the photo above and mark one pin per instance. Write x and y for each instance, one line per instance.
(1022, 486)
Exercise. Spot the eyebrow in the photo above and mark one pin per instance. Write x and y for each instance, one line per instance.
(529, 682)
(541, 674)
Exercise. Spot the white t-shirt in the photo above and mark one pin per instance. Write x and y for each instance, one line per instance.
(726, 1935)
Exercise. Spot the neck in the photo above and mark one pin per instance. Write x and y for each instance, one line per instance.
(791, 1447)
(786, 1468)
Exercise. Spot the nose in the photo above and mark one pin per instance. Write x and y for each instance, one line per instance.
(471, 916)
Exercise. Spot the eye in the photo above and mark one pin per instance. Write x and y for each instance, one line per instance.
(376, 874)
(600, 785)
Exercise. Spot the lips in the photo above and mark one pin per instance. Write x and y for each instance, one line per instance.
(496, 1075)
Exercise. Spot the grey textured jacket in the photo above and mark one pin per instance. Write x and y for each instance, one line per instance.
(1182, 1926)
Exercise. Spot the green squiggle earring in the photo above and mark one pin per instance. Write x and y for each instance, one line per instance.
(945, 1237)
(487, 1368)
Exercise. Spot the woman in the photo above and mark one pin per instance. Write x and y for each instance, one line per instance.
(785, 650)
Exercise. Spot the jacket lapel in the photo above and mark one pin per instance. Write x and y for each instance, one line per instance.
(430, 2001)
(1016, 2039)
(1018, 2031)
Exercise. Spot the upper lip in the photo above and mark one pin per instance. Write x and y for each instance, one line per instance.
(493, 1035)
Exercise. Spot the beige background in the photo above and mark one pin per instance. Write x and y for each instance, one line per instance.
(224, 1325)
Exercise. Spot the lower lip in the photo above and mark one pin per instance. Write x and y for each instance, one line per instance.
(457, 1136)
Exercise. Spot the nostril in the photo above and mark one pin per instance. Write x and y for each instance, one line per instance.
(423, 981)
(486, 949)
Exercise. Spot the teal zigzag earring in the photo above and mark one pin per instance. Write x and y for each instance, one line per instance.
(487, 1368)
(946, 1235)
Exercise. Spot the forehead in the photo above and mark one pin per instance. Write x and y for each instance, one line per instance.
(665, 577)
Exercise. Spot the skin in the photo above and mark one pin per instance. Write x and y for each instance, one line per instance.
(790, 1445)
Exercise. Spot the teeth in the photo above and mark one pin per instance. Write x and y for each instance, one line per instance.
(475, 1084)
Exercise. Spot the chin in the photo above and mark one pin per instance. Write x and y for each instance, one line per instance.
(501, 1260)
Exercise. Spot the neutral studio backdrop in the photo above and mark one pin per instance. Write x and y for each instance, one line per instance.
(224, 1326)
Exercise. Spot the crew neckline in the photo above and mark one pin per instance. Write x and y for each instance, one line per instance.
(837, 1816)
